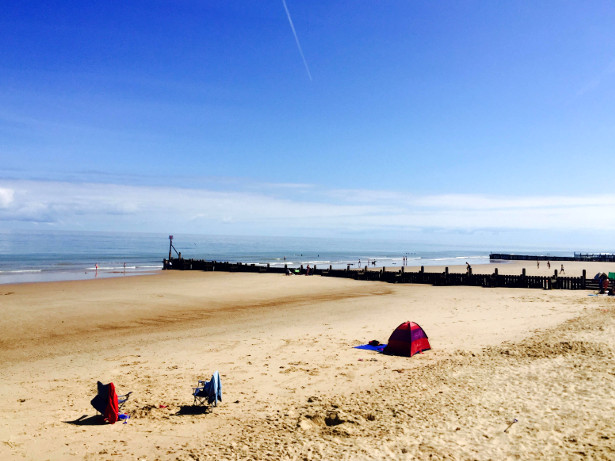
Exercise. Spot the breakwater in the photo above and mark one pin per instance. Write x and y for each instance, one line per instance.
(402, 275)
(589, 257)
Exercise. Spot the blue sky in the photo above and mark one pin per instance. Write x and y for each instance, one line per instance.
(467, 121)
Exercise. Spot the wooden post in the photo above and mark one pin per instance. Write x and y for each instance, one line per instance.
(422, 269)
(523, 272)
(583, 279)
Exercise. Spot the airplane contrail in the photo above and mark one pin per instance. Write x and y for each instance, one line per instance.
(290, 21)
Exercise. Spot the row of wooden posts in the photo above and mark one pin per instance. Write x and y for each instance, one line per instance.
(587, 257)
(400, 275)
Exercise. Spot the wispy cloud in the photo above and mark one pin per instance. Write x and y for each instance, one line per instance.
(99, 206)
(595, 82)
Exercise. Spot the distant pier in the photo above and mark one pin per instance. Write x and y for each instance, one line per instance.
(404, 276)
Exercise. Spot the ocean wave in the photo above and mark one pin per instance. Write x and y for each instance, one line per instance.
(121, 268)
(21, 271)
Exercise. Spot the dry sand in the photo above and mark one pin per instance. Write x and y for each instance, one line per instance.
(293, 385)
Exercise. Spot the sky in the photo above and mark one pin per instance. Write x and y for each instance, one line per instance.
(468, 122)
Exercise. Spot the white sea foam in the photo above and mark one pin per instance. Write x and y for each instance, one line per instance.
(21, 271)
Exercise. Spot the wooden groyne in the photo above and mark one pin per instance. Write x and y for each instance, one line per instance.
(587, 257)
(400, 275)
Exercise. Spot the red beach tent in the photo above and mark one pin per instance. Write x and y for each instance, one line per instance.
(407, 339)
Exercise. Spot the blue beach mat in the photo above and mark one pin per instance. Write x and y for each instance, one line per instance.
(378, 348)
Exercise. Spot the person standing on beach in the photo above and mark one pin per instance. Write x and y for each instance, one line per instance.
(537, 264)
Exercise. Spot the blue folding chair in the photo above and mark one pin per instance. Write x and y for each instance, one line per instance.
(208, 391)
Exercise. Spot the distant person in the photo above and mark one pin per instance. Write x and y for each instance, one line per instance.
(307, 271)
(562, 269)
(537, 264)
(549, 264)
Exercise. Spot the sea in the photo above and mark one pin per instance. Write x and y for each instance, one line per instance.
(42, 256)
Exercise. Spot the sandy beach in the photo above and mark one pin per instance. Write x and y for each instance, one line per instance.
(294, 386)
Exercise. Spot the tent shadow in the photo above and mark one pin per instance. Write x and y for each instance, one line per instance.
(85, 420)
(193, 410)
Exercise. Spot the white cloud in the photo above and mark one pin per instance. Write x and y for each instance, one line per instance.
(6, 197)
(97, 206)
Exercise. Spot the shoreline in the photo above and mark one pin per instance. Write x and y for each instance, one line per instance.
(572, 269)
